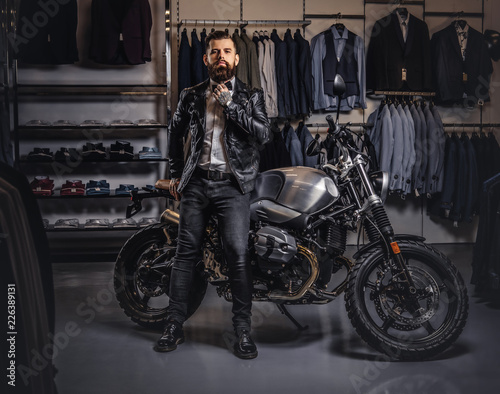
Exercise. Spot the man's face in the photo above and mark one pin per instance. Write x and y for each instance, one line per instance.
(221, 60)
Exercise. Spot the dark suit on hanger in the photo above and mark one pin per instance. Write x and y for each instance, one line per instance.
(120, 31)
(280, 53)
(293, 72)
(184, 61)
(196, 59)
(305, 74)
(449, 67)
(388, 54)
(53, 42)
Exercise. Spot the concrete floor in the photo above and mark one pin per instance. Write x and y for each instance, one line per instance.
(107, 353)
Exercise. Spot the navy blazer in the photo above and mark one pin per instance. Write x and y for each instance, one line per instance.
(54, 42)
(120, 31)
(388, 55)
(305, 74)
(449, 67)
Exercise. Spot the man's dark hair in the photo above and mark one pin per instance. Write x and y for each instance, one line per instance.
(219, 35)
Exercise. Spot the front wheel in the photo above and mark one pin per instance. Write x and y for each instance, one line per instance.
(393, 322)
(142, 276)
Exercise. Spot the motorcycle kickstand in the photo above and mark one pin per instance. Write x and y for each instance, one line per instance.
(285, 312)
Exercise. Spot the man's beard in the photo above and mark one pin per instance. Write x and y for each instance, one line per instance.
(220, 73)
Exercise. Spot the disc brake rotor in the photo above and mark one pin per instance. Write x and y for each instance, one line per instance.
(387, 305)
(147, 288)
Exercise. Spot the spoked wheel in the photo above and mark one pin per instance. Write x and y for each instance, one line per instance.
(142, 276)
(407, 327)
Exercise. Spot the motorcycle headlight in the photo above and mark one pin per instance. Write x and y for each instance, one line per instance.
(380, 181)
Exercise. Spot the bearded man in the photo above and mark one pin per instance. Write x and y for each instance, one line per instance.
(214, 138)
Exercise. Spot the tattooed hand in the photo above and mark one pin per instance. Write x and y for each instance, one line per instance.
(222, 95)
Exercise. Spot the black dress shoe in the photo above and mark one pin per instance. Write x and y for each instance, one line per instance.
(173, 335)
(245, 347)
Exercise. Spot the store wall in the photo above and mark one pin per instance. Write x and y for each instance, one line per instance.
(106, 108)
(409, 215)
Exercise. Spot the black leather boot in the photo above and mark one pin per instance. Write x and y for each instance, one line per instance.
(173, 335)
(245, 347)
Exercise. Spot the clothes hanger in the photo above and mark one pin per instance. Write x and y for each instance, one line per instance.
(459, 21)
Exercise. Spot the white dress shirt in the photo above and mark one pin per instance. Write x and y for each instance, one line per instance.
(213, 155)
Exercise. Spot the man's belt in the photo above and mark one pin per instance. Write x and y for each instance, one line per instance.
(213, 175)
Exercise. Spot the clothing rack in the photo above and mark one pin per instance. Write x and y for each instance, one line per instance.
(398, 93)
(333, 16)
(481, 125)
(366, 125)
(459, 14)
(401, 2)
(241, 23)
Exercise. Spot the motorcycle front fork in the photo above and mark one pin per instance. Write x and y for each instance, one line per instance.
(385, 228)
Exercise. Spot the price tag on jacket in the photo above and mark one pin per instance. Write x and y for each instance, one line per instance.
(403, 75)
(464, 76)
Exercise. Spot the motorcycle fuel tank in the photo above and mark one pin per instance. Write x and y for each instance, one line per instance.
(289, 196)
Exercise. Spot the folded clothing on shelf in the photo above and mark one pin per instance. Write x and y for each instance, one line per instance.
(40, 154)
(149, 153)
(39, 123)
(125, 190)
(124, 223)
(121, 122)
(121, 150)
(93, 152)
(93, 123)
(73, 188)
(64, 123)
(96, 223)
(147, 221)
(67, 223)
(97, 188)
(68, 154)
(147, 122)
(42, 185)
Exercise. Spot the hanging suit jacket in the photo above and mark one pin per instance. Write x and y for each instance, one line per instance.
(184, 61)
(293, 145)
(53, 42)
(454, 77)
(417, 145)
(305, 74)
(382, 137)
(283, 92)
(242, 67)
(396, 174)
(411, 155)
(120, 31)
(436, 180)
(420, 181)
(196, 59)
(204, 69)
(253, 62)
(388, 54)
(305, 139)
(293, 72)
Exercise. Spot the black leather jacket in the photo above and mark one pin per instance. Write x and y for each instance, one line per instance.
(247, 127)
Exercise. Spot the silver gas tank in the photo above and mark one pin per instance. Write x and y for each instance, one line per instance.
(289, 196)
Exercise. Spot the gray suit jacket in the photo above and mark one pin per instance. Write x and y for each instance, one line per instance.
(411, 155)
(396, 179)
(253, 62)
(423, 147)
(242, 67)
(417, 146)
(441, 140)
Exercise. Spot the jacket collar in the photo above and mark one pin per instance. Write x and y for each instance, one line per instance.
(411, 32)
(453, 37)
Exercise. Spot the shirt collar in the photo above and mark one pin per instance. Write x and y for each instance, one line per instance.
(400, 19)
(212, 82)
(336, 34)
(460, 30)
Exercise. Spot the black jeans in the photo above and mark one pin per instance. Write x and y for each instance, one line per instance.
(200, 199)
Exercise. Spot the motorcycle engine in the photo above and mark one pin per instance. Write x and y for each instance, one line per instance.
(275, 245)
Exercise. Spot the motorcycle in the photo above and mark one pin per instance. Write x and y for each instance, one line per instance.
(404, 297)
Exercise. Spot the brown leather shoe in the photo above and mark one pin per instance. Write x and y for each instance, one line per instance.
(245, 347)
(173, 335)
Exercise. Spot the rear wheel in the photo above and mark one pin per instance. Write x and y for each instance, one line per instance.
(400, 326)
(142, 276)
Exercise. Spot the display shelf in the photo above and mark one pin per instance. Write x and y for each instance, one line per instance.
(89, 90)
(82, 228)
(79, 162)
